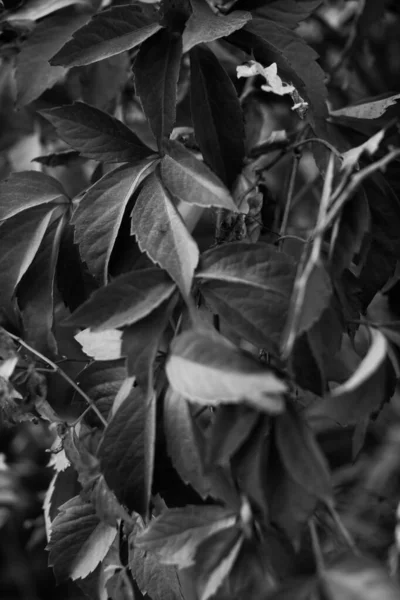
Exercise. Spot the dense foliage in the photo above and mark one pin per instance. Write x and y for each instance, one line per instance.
(199, 286)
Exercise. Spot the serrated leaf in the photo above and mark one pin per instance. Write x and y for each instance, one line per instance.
(27, 189)
(366, 110)
(99, 214)
(249, 286)
(190, 180)
(162, 234)
(129, 298)
(214, 101)
(301, 455)
(127, 449)
(79, 540)
(33, 73)
(205, 26)
(205, 367)
(101, 345)
(175, 535)
(156, 70)
(110, 32)
(35, 292)
(96, 134)
(20, 239)
(101, 381)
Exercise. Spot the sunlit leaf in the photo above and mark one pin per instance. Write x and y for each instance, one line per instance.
(366, 110)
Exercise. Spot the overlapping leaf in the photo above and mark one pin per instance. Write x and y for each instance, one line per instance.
(214, 101)
(127, 450)
(190, 180)
(249, 286)
(205, 367)
(128, 299)
(99, 215)
(162, 234)
(101, 381)
(286, 12)
(111, 32)
(156, 70)
(79, 541)
(95, 134)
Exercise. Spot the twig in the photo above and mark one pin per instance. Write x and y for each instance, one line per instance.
(342, 529)
(319, 559)
(62, 374)
(289, 195)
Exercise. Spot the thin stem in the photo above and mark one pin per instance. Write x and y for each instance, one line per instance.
(342, 529)
(316, 141)
(289, 195)
(319, 559)
(62, 374)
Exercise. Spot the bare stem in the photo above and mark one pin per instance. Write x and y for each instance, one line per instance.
(289, 195)
(319, 559)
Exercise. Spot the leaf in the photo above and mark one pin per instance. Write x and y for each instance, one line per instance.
(37, 9)
(140, 342)
(162, 234)
(229, 431)
(35, 292)
(101, 381)
(126, 452)
(249, 286)
(156, 71)
(190, 180)
(205, 26)
(27, 189)
(95, 134)
(99, 214)
(366, 110)
(102, 345)
(358, 578)
(175, 535)
(301, 455)
(33, 72)
(79, 541)
(129, 298)
(205, 367)
(20, 238)
(214, 102)
(110, 32)
(352, 156)
(119, 586)
(286, 12)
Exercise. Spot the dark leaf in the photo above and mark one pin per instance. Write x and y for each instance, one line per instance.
(230, 429)
(58, 159)
(129, 298)
(156, 70)
(111, 32)
(190, 180)
(98, 216)
(214, 101)
(205, 26)
(127, 450)
(101, 381)
(119, 586)
(162, 234)
(79, 541)
(95, 134)
(206, 368)
(288, 13)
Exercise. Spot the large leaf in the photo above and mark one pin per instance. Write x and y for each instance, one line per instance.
(217, 115)
(127, 450)
(162, 234)
(249, 286)
(95, 134)
(33, 72)
(28, 189)
(175, 535)
(205, 26)
(191, 181)
(126, 300)
(110, 32)
(79, 541)
(20, 238)
(205, 367)
(156, 70)
(99, 215)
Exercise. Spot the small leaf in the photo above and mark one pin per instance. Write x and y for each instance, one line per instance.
(98, 217)
(127, 450)
(175, 535)
(129, 298)
(101, 345)
(27, 189)
(79, 540)
(205, 26)
(206, 368)
(366, 110)
(214, 101)
(95, 134)
(156, 70)
(110, 32)
(190, 180)
(352, 156)
(162, 234)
